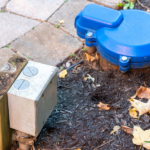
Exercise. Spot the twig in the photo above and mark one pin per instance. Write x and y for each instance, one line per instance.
(63, 86)
(75, 64)
(70, 148)
(102, 145)
(119, 139)
(142, 4)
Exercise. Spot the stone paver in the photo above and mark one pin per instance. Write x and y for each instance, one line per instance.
(2, 3)
(46, 44)
(68, 12)
(12, 26)
(108, 3)
(36, 9)
(5, 54)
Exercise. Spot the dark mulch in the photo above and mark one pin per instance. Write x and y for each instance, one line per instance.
(145, 3)
(76, 122)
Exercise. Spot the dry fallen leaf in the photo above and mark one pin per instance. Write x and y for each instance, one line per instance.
(141, 107)
(61, 21)
(103, 106)
(133, 113)
(142, 92)
(127, 129)
(89, 77)
(140, 136)
(116, 128)
(63, 73)
(148, 10)
(91, 58)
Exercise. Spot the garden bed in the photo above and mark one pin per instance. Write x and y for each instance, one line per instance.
(77, 122)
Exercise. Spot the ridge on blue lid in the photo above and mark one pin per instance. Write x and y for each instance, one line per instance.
(95, 16)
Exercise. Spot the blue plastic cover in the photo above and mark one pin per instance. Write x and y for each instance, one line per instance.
(117, 34)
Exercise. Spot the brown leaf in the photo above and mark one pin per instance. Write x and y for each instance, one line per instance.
(148, 10)
(91, 58)
(88, 57)
(103, 106)
(127, 129)
(139, 106)
(142, 92)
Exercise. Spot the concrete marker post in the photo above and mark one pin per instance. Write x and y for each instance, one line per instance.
(10, 72)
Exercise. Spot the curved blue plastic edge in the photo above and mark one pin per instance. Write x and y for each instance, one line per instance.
(84, 23)
(95, 17)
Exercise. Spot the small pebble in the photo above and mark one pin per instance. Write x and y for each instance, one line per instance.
(145, 118)
(67, 64)
(124, 122)
(73, 137)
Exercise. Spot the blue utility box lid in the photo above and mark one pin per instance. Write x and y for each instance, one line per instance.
(117, 34)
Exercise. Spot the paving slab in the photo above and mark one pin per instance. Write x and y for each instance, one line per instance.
(68, 12)
(12, 26)
(5, 54)
(2, 3)
(35, 9)
(108, 3)
(46, 44)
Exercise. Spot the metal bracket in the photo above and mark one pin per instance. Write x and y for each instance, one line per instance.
(90, 39)
(124, 62)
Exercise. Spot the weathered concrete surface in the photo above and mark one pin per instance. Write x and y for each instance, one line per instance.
(5, 54)
(12, 26)
(7, 77)
(46, 44)
(68, 12)
(108, 3)
(36, 9)
(2, 3)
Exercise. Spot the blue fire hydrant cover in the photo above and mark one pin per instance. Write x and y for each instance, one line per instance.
(121, 37)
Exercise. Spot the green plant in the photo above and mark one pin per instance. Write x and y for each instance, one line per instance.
(8, 46)
(29, 57)
(129, 4)
(57, 26)
(147, 141)
(72, 55)
(84, 49)
(61, 67)
(2, 11)
(13, 63)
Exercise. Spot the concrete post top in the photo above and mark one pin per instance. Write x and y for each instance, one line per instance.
(33, 80)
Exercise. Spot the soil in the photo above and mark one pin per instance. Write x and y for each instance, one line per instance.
(77, 123)
(145, 3)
